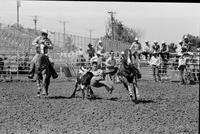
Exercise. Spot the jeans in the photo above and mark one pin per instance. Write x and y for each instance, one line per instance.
(156, 72)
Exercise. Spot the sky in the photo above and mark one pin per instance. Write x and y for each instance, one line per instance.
(157, 21)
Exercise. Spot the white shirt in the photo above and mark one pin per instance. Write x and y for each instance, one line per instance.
(181, 61)
(146, 48)
(97, 72)
(155, 61)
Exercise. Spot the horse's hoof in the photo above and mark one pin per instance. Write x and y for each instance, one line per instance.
(72, 96)
(30, 77)
(136, 101)
(131, 97)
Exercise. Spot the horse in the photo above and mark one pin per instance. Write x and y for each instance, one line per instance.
(44, 70)
(128, 74)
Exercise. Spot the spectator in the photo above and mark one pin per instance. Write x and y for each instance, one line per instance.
(90, 51)
(111, 63)
(172, 48)
(186, 44)
(98, 58)
(136, 48)
(165, 58)
(179, 47)
(146, 50)
(155, 62)
(1, 66)
(156, 47)
(182, 66)
(100, 47)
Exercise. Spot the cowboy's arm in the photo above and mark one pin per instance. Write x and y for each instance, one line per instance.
(107, 62)
(36, 41)
(131, 46)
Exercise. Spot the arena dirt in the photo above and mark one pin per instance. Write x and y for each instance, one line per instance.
(165, 108)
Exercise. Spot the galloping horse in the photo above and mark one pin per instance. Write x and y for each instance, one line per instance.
(128, 74)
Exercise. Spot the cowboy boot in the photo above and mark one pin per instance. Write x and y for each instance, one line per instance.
(32, 71)
(53, 72)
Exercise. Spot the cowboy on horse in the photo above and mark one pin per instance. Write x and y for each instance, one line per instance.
(39, 42)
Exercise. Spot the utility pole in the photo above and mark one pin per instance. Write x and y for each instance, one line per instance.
(64, 23)
(90, 30)
(112, 23)
(35, 22)
(18, 5)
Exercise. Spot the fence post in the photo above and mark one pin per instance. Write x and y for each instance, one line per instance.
(60, 66)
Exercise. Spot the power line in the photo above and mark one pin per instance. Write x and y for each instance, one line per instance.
(64, 32)
(35, 20)
(90, 30)
(112, 22)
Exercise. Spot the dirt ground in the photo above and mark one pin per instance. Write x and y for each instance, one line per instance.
(165, 108)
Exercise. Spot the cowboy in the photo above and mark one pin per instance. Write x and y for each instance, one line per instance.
(136, 48)
(182, 66)
(156, 47)
(146, 50)
(90, 51)
(155, 62)
(165, 57)
(100, 47)
(186, 44)
(98, 78)
(111, 63)
(179, 47)
(98, 58)
(38, 42)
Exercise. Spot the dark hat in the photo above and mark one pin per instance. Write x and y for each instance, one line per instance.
(89, 44)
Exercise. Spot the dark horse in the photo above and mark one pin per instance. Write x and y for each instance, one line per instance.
(44, 70)
(128, 74)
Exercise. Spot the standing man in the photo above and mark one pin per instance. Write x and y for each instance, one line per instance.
(164, 53)
(155, 62)
(100, 47)
(97, 58)
(111, 63)
(179, 47)
(90, 51)
(38, 43)
(186, 44)
(146, 50)
(136, 48)
(156, 47)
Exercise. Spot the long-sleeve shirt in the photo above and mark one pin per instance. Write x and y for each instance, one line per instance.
(97, 72)
(156, 61)
(136, 46)
(110, 62)
(40, 42)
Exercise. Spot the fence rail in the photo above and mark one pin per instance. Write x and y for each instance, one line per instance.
(19, 68)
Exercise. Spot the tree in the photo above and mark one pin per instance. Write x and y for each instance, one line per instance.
(121, 32)
(195, 41)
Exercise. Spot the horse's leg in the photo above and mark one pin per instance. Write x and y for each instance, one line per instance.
(39, 84)
(90, 93)
(74, 93)
(83, 92)
(135, 89)
(46, 83)
(127, 85)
